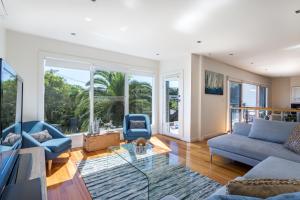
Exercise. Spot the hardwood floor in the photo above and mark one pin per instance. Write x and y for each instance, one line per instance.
(64, 181)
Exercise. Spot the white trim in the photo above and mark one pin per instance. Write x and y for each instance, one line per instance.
(88, 64)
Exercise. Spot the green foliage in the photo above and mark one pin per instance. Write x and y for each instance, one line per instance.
(9, 97)
(67, 105)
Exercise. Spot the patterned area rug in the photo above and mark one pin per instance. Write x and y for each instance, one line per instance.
(112, 178)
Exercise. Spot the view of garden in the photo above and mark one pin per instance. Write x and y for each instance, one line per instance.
(67, 101)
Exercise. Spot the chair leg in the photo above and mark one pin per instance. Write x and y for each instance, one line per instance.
(211, 158)
(69, 151)
(49, 165)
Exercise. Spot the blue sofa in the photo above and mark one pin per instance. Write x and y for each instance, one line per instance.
(132, 134)
(53, 148)
(251, 144)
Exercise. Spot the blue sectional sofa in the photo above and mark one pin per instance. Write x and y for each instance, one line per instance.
(251, 144)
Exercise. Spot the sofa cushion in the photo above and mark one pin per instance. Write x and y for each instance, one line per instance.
(58, 145)
(137, 124)
(241, 128)
(275, 168)
(293, 142)
(289, 196)
(42, 136)
(251, 148)
(11, 139)
(263, 188)
(272, 131)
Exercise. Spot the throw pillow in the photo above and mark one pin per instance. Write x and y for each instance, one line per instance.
(136, 124)
(262, 188)
(11, 139)
(42, 136)
(293, 142)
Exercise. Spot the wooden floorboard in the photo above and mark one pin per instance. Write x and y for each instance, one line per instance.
(64, 181)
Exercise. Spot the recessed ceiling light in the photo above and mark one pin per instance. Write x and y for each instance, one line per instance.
(93, 0)
(251, 63)
(157, 54)
(124, 28)
(199, 41)
(88, 19)
(231, 54)
(297, 11)
(73, 34)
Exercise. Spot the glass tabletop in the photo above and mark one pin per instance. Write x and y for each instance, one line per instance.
(149, 161)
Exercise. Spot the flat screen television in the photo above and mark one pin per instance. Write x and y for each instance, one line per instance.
(11, 111)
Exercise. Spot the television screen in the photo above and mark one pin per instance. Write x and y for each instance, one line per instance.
(11, 87)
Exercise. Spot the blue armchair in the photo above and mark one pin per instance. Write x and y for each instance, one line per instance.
(53, 148)
(132, 133)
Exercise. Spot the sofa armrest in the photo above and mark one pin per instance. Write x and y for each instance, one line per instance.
(29, 141)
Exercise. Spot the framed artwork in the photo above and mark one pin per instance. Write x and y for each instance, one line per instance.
(214, 83)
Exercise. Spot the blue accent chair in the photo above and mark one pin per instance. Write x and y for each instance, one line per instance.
(133, 134)
(53, 148)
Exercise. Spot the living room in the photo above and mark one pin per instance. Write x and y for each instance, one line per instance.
(211, 87)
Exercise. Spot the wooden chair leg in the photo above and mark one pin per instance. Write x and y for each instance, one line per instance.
(211, 158)
(49, 165)
(69, 151)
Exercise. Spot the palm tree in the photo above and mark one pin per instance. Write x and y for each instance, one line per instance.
(109, 96)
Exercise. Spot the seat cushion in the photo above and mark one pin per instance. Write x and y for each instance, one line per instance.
(137, 132)
(251, 148)
(58, 145)
(272, 131)
(275, 168)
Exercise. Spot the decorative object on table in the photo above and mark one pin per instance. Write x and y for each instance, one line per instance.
(132, 133)
(53, 147)
(126, 180)
(95, 127)
(262, 188)
(109, 126)
(214, 83)
(100, 141)
(140, 146)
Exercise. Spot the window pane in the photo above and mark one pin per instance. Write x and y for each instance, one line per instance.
(140, 95)
(109, 98)
(67, 99)
(263, 96)
(249, 95)
(235, 101)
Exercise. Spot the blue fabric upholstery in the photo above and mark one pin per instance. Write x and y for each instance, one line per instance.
(272, 131)
(251, 148)
(275, 168)
(57, 145)
(133, 134)
(289, 196)
(53, 148)
(241, 128)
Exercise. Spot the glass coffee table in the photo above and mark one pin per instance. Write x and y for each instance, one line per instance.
(151, 163)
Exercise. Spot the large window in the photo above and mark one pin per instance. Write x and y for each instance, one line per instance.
(66, 102)
(70, 95)
(140, 95)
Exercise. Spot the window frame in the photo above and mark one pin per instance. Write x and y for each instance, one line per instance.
(92, 68)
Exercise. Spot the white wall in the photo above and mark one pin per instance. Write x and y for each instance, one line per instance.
(178, 64)
(25, 54)
(281, 92)
(213, 112)
(2, 41)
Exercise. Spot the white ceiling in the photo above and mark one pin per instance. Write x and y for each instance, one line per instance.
(265, 33)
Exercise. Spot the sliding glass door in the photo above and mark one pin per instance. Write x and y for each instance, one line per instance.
(246, 95)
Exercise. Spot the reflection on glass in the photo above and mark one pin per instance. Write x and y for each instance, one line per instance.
(172, 100)
(109, 98)
(140, 95)
(67, 99)
(235, 101)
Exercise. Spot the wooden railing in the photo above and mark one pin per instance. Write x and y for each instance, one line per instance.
(247, 114)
